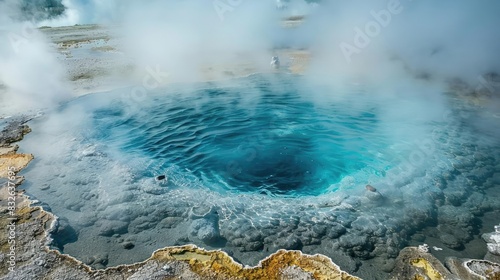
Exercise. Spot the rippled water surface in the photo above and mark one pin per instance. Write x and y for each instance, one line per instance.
(280, 143)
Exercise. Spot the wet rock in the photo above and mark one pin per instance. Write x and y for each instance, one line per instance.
(293, 220)
(370, 188)
(475, 203)
(274, 222)
(392, 251)
(199, 212)
(88, 260)
(455, 216)
(253, 236)
(419, 237)
(481, 174)
(335, 231)
(120, 213)
(308, 238)
(160, 177)
(451, 241)
(238, 242)
(369, 225)
(454, 196)
(108, 228)
(492, 258)
(289, 243)
(355, 241)
(345, 218)
(89, 196)
(86, 220)
(169, 211)
(208, 233)
(182, 241)
(155, 190)
(319, 230)
(252, 246)
(464, 234)
(74, 205)
(351, 203)
(388, 264)
(63, 233)
(101, 259)
(169, 222)
(128, 245)
(207, 230)
(142, 223)
(121, 198)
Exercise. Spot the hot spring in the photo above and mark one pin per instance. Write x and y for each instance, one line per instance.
(263, 163)
(277, 144)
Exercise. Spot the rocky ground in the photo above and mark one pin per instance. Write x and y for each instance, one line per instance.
(88, 72)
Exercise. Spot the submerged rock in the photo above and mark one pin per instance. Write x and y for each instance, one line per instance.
(370, 188)
(451, 241)
(289, 243)
(128, 245)
(206, 230)
(109, 227)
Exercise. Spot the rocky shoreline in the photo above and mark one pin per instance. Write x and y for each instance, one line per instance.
(29, 256)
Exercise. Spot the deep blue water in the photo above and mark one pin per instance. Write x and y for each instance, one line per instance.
(267, 139)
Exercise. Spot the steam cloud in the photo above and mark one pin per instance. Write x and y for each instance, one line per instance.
(390, 41)
(30, 75)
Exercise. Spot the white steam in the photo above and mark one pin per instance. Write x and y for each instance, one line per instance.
(383, 44)
(30, 75)
(377, 40)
